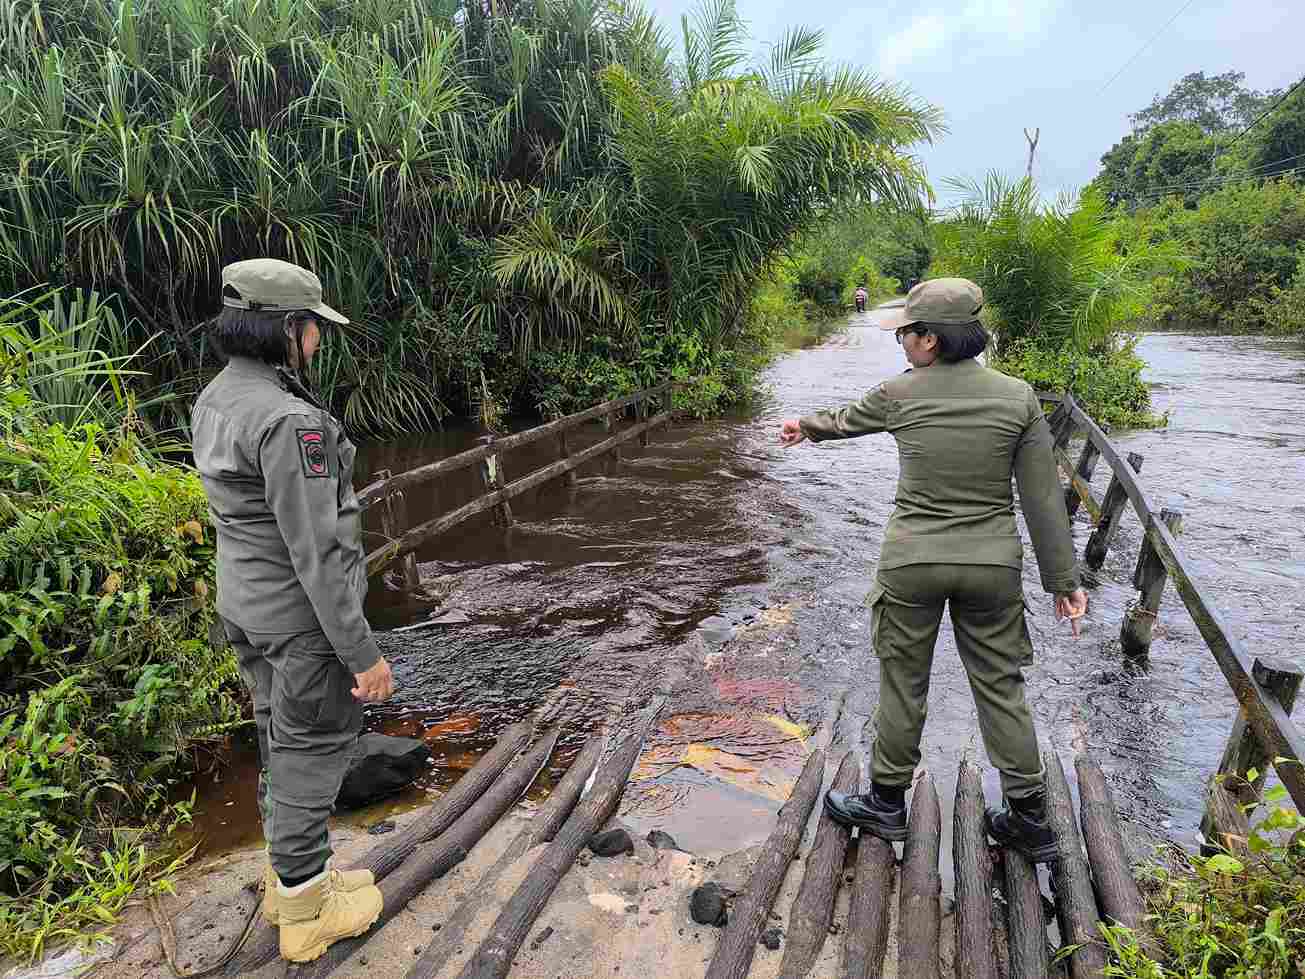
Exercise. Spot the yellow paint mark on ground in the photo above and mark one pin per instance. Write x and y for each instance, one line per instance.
(794, 730)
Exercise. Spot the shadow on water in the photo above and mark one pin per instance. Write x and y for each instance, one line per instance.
(715, 539)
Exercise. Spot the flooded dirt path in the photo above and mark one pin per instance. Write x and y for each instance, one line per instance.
(753, 561)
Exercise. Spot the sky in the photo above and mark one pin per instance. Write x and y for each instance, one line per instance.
(997, 67)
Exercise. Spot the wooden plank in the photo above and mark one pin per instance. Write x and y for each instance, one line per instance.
(1112, 510)
(1149, 579)
(264, 944)
(418, 535)
(1079, 489)
(1117, 891)
(973, 868)
(491, 477)
(543, 826)
(751, 911)
(493, 958)
(431, 860)
(919, 909)
(868, 911)
(1127, 478)
(1265, 715)
(1026, 922)
(375, 491)
(1076, 904)
(813, 908)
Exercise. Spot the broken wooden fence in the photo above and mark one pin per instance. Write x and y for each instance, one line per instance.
(389, 491)
(1263, 733)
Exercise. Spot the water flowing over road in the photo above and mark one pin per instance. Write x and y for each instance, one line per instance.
(754, 560)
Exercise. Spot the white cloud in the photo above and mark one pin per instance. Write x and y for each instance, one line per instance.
(1014, 21)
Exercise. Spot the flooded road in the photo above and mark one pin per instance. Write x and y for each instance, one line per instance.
(752, 561)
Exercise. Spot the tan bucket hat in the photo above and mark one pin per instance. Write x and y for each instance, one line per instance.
(951, 301)
(276, 286)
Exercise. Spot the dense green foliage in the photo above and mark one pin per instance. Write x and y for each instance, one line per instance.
(882, 248)
(107, 677)
(1058, 291)
(536, 195)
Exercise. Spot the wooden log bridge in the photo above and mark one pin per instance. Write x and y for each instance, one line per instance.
(390, 492)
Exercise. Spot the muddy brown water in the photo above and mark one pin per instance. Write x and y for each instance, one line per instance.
(716, 539)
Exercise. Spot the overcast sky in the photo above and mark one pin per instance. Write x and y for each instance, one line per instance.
(996, 66)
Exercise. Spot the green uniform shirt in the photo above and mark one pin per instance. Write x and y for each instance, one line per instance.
(278, 472)
(962, 431)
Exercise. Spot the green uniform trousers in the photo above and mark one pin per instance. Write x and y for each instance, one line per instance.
(308, 722)
(987, 611)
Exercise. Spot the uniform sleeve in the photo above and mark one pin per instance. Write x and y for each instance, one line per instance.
(1043, 502)
(864, 417)
(302, 493)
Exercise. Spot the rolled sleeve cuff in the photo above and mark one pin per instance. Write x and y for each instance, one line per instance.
(361, 658)
(812, 428)
(1062, 584)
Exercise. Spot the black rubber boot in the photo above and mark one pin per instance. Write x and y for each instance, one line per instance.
(1023, 827)
(871, 812)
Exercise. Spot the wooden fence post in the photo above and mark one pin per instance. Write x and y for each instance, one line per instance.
(394, 521)
(491, 474)
(609, 427)
(1087, 462)
(1112, 508)
(1244, 751)
(565, 452)
(641, 415)
(1149, 579)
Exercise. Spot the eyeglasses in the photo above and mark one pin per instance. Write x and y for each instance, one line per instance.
(903, 330)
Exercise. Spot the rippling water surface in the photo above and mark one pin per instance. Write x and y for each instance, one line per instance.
(754, 560)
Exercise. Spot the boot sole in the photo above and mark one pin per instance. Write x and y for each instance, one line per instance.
(1047, 853)
(892, 834)
(317, 951)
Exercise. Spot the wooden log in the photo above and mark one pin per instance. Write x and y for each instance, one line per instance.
(641, 414)
(868, 911)
(432, 860)
(493, 958)
(1149, 579)
(1076, 903)
(1127, 478)
(564, 451)
(919, 914)
(264, 944)
(491, 477)
(1087, 463)
(1026, 922)
(751, 911)
(416, 536)
(1112, 511)
(973, 869)
(1118, 895)
(542, 828)
(394, 517)
(1244, 753)
(813, 908)
(1079, 489)
(375, 491)
(1225, 826)
(611, 427)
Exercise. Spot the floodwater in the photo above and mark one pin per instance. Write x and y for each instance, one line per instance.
(751, 562)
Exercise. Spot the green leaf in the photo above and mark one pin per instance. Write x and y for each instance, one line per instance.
(1221, 863)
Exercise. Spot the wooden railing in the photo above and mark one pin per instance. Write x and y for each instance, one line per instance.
(1263, 733)
(389, 491)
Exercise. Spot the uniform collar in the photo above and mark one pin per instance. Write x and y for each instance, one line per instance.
(250, 367)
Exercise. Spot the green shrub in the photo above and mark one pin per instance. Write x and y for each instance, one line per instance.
(1107, 381)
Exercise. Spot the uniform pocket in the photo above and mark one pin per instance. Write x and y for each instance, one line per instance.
(315, 692)
(875, 602)
(1026, 640)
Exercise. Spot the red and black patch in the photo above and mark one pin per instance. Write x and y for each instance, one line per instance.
(312, 453)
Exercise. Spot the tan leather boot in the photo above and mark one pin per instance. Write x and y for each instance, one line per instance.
(345, 880)
(317, 914)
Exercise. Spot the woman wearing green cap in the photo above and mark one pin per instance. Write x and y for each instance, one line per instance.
(963, 432)
(291, 580)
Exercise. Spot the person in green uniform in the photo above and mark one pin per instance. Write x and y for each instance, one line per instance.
(962, 431)
(291, 579)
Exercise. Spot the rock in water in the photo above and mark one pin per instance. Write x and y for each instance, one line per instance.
(770, 938)
(381, 766)
(707, 906)
(659, 840)
(611, 843)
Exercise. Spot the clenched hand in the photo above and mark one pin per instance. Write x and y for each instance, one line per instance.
(1072, 606)
(376, 684)
(791, 433)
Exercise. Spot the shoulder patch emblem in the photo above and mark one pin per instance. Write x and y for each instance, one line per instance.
(312, 453)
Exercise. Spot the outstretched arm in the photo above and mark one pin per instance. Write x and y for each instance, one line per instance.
(864, 417)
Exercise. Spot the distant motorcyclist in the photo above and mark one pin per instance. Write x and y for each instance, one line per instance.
(860, 299)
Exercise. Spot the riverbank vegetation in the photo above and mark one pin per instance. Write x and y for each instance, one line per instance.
(552, 195)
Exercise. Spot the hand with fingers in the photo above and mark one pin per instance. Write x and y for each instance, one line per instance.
(374, 685)
(790, 433)
(1073, 606)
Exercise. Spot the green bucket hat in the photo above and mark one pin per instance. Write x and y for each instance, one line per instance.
(275, 286)
(951, 301)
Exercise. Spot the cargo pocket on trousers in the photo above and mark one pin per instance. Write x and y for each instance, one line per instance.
(1026, 640)
(875, 602)
(315, 692)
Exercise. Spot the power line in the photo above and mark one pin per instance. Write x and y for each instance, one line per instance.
(1258, 119)
(1151, 41)
(1156, 193)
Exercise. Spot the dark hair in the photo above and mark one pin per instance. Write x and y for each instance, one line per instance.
(256, 333)
(958, 342)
